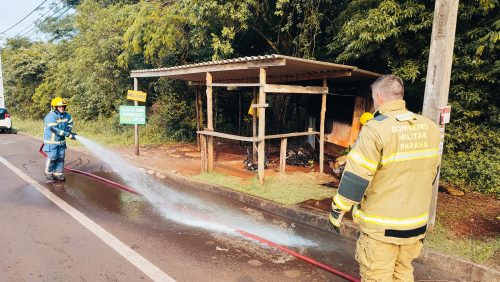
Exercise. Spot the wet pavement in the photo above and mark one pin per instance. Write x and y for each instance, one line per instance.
(45, 244)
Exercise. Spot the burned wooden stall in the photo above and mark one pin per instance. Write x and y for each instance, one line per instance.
(269, 74)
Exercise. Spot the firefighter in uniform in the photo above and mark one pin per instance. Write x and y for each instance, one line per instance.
(58, 126)
(388, 182)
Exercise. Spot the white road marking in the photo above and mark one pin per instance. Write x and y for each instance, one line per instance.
(151, 270)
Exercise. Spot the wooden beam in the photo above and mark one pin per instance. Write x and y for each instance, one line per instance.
(210, 123)
(293, 134)
(260, 105)
(227, 136)
(198, 68)
(198, 125)
(294, 89)
(322, 130)
(235, 84)
(284, 78)
(310, 76)
(203, 155)
(283, 151)
(262, 125)
(254, 126)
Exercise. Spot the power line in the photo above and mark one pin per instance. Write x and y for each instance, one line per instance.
(40, 17)
(24, 17)
(57, 14)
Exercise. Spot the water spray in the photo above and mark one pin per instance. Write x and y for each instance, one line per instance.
(194, 212)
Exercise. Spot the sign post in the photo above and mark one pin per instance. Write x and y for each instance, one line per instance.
(134, 115)
(437, 84)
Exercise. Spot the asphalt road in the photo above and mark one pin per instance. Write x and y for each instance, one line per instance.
(83, 230)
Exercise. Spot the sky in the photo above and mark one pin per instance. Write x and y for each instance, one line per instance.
(11, 11)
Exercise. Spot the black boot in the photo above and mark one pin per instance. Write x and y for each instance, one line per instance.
(59, 177)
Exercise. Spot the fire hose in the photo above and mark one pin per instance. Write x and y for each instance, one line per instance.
(241, 232)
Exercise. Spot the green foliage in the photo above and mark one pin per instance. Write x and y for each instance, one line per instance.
(93, 51)
(173, 112)
(394, 36)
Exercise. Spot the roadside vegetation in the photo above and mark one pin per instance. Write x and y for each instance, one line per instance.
(90, 53)
(479, 250)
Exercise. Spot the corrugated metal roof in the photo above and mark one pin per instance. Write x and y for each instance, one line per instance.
(246, 69)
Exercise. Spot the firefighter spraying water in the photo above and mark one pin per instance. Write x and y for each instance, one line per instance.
(58, 127)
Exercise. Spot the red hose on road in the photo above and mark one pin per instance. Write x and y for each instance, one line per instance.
(244, 233)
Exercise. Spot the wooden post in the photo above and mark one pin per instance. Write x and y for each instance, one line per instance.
(262, 125)
(198, 125)
(322, 130)
(210, 124)
(254, 126)
(136, 126)
(437, 83)
(199, 102)
(283, 150)
(239, 115)
(203, 153)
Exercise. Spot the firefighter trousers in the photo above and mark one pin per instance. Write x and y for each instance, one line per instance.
(55, 158)
(380, 261)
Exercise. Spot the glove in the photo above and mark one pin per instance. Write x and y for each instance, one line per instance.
(335, 218)
(72, 135)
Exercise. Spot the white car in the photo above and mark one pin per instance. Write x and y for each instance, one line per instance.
(5, 121)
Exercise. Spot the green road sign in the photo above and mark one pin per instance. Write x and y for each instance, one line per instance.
(132, 114)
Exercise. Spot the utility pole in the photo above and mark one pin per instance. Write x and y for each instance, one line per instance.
(437, 83)
(2, 97)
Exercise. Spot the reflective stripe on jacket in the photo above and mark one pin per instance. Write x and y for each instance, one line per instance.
(57, 127)
(390, 172)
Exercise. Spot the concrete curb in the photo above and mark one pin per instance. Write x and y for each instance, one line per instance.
(468, 270)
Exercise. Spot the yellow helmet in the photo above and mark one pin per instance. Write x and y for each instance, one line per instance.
(58, 101)
(365, 117)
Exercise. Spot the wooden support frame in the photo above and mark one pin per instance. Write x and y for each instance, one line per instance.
(322, 129)
(256, 138)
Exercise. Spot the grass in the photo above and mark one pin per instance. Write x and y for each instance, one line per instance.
(283, 189)
(293, 189)
(104, 131)
(443, 240)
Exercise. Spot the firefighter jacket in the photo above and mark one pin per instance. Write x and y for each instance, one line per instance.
(389, 175)
(58, 126)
